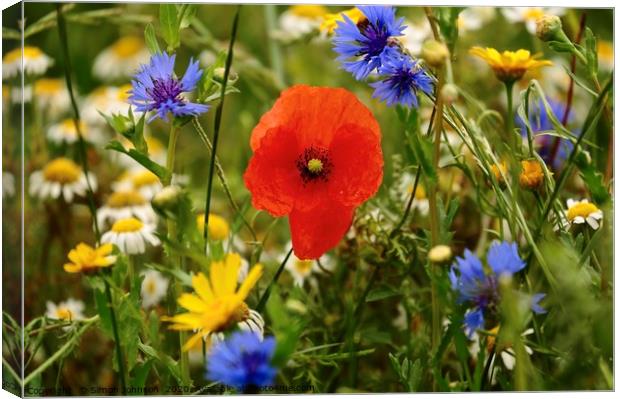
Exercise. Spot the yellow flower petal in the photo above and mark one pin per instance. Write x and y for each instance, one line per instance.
(250, 281)
(202, 287)
(192, 303)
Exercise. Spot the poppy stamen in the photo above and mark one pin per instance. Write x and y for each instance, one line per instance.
(314, 163)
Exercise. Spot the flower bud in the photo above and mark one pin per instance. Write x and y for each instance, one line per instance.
(167, 199)
(531, 176)
(435, 53)
(449, 93)
(440, 254)
(548, 27)
(218, 75)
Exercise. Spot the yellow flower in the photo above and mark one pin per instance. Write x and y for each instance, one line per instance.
(499, 171)
(217, 303)
(531, 174)
(308, 10)
(218, 227)
(330, 21)
(85, 258)
(509, 66)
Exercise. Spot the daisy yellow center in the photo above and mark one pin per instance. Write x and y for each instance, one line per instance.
(420, 192)
(308, 10)
(129, 225)
(127, 46)
(48, 87)
(122, 199)
(532, 14)
(303, 266)
(63, 314)
(315, 165)
(144, 178)
(62, 170)
(68, 127)
(29, 53)
(123, 93)
(583, 209)
(150, 287)
(605, 50)
(155, 145)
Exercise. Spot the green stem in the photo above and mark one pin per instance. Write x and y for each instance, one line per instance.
(263, 299)
(60, 353)
(117, 341)
(434, 212)
(218, 122)
(512, 138)
(62, 31)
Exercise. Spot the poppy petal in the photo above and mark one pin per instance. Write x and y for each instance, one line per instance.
(357, 165)
(314, 114)
(317, 231)
(272, 176)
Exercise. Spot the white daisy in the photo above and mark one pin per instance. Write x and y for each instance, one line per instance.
(125, 204)
(303, 269)
(405, 188)
(131, 235)
(35, 62)
(121, 59)
(15, 95)
(106, 100)
(142, 180)
(529, 15)
(154, 288)
(8, 184)
(65, 132)
(414, 35)
(579, 212)
(300, 20)
(52, 96)
(60, 177)
(69, 310)
(473, 18)
(400, 321)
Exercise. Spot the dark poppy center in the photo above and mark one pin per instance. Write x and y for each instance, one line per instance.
(314, 164)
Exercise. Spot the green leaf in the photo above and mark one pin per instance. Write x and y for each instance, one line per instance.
(140, 374)
(169, 25)
(591, 53)
(187, 13)
(381, 292)
(141, 158)
(423, 150)
(101, 303)
(151, 39)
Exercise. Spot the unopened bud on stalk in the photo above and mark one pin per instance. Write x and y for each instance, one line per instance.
(435, 53)
(167, 198)
(548, 27)
(449, 93)
(440, 254)
(218, 75)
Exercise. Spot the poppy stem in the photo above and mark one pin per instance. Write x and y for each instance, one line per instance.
(216, 128)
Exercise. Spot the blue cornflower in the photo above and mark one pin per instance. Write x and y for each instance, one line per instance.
(479, 289)
(242, 361)
(156, 88)
(540, 122)
(363, 47)
(403, 78)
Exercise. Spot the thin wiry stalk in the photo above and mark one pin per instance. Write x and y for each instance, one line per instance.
(62, 31)
(218, 122)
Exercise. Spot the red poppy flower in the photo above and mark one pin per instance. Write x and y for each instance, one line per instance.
(317, 156)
